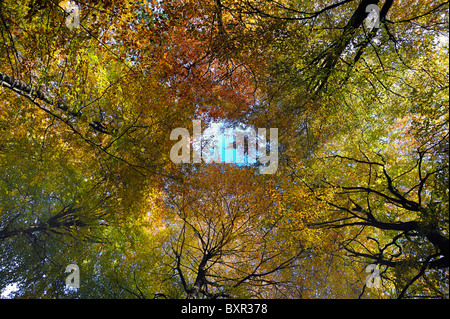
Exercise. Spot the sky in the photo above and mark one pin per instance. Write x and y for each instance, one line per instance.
(8, 289)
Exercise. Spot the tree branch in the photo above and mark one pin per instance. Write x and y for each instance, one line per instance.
(33, 94)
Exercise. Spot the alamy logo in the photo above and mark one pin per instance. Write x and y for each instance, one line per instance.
(373, 18)
(212, 146)
(73, 279)
(73, 20)
(373, 280)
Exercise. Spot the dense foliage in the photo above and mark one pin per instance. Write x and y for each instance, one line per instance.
(86, 178)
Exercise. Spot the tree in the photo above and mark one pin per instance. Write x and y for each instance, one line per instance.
(224, 241)
(85, 171)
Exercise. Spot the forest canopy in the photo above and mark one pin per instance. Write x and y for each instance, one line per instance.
(91, 90)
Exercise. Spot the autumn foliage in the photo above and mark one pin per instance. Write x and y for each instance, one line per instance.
(86, 177)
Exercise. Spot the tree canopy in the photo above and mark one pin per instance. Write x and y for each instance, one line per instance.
(360, 101)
